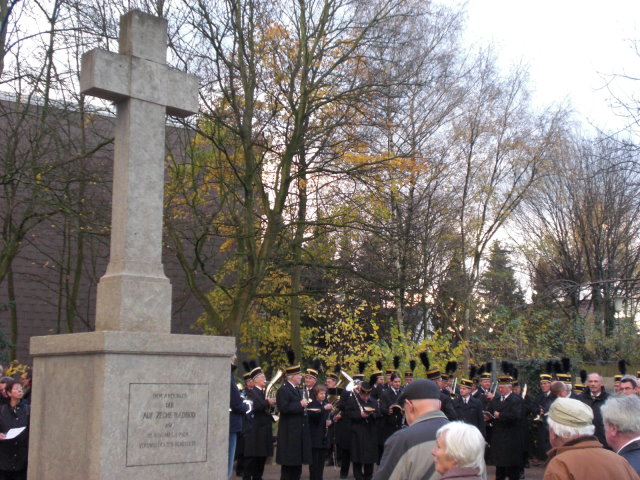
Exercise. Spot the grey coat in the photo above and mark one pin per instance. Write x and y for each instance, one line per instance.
(407, 453)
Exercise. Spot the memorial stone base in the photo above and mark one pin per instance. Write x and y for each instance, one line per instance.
(114, 405)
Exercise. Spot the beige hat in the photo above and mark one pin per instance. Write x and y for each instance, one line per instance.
(571, 413)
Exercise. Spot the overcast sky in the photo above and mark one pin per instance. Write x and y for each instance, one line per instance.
(572, 47)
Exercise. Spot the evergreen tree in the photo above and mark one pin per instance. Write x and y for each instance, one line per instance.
(498, 284)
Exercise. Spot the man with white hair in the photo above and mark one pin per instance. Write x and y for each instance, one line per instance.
(621, 415)
(576, 453)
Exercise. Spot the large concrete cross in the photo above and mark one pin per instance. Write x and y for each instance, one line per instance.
(134, 294)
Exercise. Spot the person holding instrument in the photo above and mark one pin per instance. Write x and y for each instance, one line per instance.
(258, 441)
(319, 411)
(362, 410)
(294, 437)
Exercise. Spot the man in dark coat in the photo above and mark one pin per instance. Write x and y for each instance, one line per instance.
(237, 410)
(362, 410)
(446, 404)
(258, 440)
(595, 396)
(543, 402)
(469, 409)
(506, 447)
(342, 429)
(390, 412)
(621, 417)
(294, 437)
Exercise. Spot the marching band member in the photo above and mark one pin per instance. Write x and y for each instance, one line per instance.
(319, 411)
(294, 437)
(506, 446)
(362, 411)
(469, 409)
(258, 441)
(390, 412)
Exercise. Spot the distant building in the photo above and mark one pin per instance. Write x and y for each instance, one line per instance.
(44, 270)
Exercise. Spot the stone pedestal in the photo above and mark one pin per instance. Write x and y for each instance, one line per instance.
(129, 405)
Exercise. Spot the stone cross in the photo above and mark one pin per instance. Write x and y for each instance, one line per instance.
(134, 294)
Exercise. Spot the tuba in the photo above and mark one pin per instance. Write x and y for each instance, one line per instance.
(270, 393)
(272, 382)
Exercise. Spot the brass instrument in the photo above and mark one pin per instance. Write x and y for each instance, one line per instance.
(352, 383)
(452, 393)
(272, 382)
(273, 410)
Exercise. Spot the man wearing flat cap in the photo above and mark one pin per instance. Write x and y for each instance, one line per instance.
(576, 453)
(406, 452)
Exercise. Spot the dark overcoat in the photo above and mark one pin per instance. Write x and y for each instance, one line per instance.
(294, 438)
(258, 441)
(543, 402)
(631, 454)
(446, 405)
(342, 427)
(14, 452)
(364, 443)
(318, 424)
(470, 412)
(595, 403)
(506, 441)
(390, 423)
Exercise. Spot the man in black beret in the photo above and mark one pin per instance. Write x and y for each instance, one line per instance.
(401, 460)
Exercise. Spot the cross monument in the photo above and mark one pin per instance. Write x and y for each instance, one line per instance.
(134, 294)
(130, 399)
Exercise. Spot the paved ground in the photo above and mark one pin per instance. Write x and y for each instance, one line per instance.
(272, 472)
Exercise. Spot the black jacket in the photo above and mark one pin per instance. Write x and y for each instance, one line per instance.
(447, 406)
(595, 403)
(364, 441)
(258, 440)
(389, 422)
(471, 412)
(294, 437)
(506, 440)
(631, 453)
(14, 452)
(318, 424)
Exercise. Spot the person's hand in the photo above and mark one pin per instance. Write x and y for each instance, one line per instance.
(390, 411)
(2, 436)
(496, 415)
(490, 395)
(364, 414)
(328, 406)
(271, 400)
(303, 403)
(328, 423)
(337, 417)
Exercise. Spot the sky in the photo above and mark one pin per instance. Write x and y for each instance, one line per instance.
(572, 49)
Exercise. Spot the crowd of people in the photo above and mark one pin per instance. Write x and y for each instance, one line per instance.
(391, 426)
